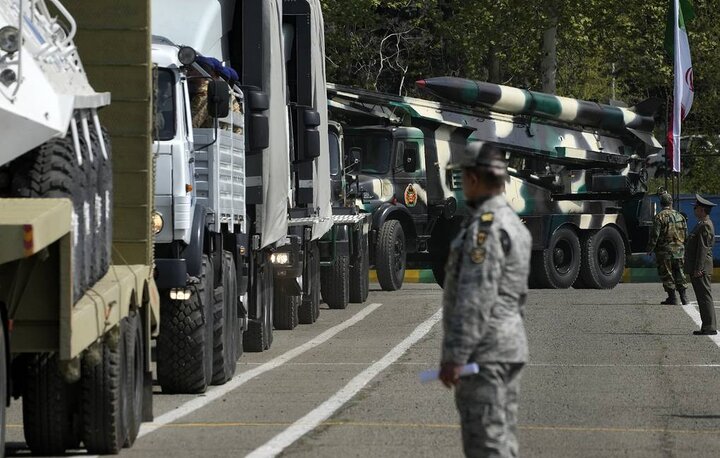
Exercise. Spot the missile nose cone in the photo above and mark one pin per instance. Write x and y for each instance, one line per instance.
(421, 84)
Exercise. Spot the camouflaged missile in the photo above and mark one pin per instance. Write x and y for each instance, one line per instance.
(516, 101)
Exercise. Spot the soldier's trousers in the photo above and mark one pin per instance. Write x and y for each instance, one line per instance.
(671, 272)
(703, 292)
(488, 405)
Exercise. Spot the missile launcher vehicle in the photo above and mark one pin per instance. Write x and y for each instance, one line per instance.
(577, 175)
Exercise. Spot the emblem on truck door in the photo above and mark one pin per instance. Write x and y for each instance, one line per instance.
(410, 196)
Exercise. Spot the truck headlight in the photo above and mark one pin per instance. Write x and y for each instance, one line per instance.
(157, 223)
(9, 39)
(280, 258)
(180, 294)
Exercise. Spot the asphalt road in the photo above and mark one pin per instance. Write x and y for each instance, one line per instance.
(612, 373)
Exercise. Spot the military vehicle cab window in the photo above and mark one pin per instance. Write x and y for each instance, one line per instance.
(334, 141)
(376, 152)
(399, 155)
(165, 119)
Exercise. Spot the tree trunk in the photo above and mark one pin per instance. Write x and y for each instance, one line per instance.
(549, 62)
(493, 65)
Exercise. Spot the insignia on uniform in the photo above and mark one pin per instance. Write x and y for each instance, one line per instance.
(487, 217)
(481, 237)
(477, 255)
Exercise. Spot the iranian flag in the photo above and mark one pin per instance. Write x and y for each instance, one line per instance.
(678, 47)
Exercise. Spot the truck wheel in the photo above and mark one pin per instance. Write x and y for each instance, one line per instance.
(3, 386)
(285, 313)
(102, 400)
(53, 170)
(335, 283)
(316, 286)
(603, 258)
(258, 336)
(184, 345)
(390, 257)
(226, 325)
(360, 274)
(50, 420)
(442, 235)
(309, 309)
(102, 203)
(135, 370)
(558, 266)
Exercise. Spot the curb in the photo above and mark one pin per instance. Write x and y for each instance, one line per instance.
(631, 275)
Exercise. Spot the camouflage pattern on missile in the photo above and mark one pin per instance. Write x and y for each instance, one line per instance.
(516, 101)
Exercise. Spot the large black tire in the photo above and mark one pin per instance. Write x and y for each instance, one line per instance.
(443, 234)
(135, 370)
(185, 343)
(335, 283)
(3, 387)
(104, 408)
(360, 273)
(390, 256)
(309, 309)
(102, 203)
(50, 418)
(258, 336)
(92, 238)
(53, 170)
(558, 265)
(603, 258)
(286, 306)
(226, 325)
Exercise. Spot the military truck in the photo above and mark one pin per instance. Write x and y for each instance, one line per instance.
(77, 297)
(578, 175)
(345, 251)
(243, 195)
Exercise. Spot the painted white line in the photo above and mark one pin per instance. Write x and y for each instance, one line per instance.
(325, 410)
(692, 311)
(619, 365)
(216, 392)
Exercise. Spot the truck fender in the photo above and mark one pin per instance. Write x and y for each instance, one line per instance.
(388, 211)
(194, 251)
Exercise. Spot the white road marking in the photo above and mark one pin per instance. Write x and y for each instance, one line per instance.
(214, 393)
(619, 365)
(692, 310)
(325, 410)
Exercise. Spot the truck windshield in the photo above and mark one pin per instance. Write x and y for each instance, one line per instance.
(334, 153)
(375, 152)
(165, 106)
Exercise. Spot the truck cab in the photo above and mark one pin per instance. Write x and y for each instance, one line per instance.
(401, 183)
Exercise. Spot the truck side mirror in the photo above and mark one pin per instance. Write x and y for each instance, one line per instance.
(311, 121)
(410, 159)
(218, 99)
(258, 130)
(353, 165)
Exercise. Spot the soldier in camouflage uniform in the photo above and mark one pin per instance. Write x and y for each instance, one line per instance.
(700, 265)
(667, 240)
(483, 308)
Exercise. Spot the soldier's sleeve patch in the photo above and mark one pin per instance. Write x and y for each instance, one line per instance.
(477, 255)
(487, 217)
(480, 238)
(505, 241)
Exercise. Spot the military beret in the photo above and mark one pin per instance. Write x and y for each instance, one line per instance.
(702, 202)
(481, 154)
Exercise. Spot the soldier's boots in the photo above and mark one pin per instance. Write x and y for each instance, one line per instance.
(683, 297)
(671, 299)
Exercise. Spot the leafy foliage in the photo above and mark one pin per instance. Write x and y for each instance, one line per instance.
(606, 49)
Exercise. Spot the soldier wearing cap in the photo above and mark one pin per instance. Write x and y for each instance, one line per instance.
(667, 240)
(483, 307)
(699, 264)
